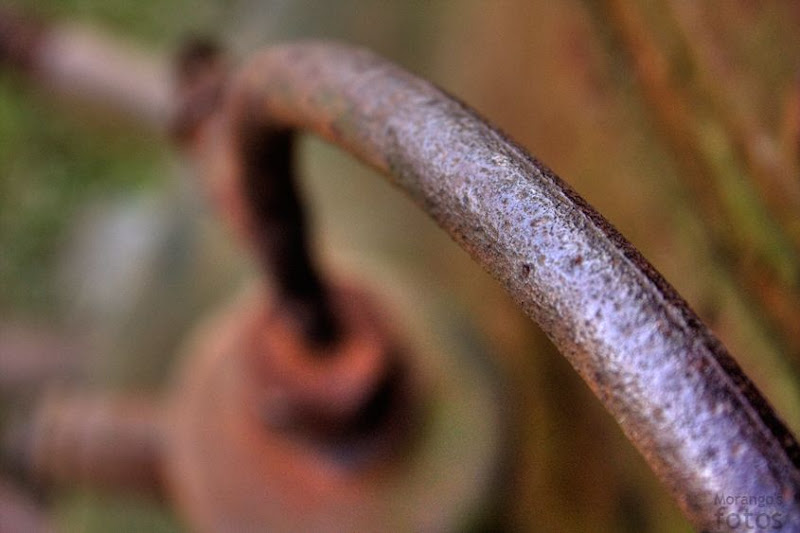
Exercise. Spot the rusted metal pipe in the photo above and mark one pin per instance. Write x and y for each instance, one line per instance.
(109, 442)
(678, 395)
(85, 67)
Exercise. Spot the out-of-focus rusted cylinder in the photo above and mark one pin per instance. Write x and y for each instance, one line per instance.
(679, 396)
(112, 442)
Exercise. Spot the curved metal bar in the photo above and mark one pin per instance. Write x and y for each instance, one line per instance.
(678, 395)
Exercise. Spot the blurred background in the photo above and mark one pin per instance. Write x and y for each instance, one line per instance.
(678, 120)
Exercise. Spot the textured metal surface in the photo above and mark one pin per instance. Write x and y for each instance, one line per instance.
(677, 394)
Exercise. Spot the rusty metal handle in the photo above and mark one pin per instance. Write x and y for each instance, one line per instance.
(680, 398)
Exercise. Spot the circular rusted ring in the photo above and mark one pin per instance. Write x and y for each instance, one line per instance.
(429, 469)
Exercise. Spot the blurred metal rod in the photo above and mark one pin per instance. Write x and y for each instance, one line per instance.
(109, 442)
(254, 185)
(680, 398)
(280, 235)
(90, 69)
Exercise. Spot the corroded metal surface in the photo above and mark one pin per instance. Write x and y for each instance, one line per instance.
(678, 395)
(428, 463)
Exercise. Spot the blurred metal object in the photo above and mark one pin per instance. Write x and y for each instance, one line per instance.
(102, 441)
(84, 66)
(262, 437)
